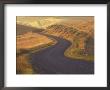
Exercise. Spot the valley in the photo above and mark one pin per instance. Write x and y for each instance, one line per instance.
(48, 46)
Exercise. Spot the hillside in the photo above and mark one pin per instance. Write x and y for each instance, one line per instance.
(32, 40)
(82, 42)
(81, 25)
(22, 29)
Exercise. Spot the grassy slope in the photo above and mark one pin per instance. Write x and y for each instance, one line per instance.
(82, 42)
(31, 40)
(85, 41)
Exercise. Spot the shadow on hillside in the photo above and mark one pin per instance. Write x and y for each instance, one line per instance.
(21, 29)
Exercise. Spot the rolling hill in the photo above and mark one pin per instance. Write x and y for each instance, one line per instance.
(82, 42)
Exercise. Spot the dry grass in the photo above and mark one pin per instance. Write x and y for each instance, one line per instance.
(80, 34)
(77, 53)
(81, 25)
(22, 65)
(29, 42)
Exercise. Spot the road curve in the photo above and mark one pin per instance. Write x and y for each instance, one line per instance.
(52, 60)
